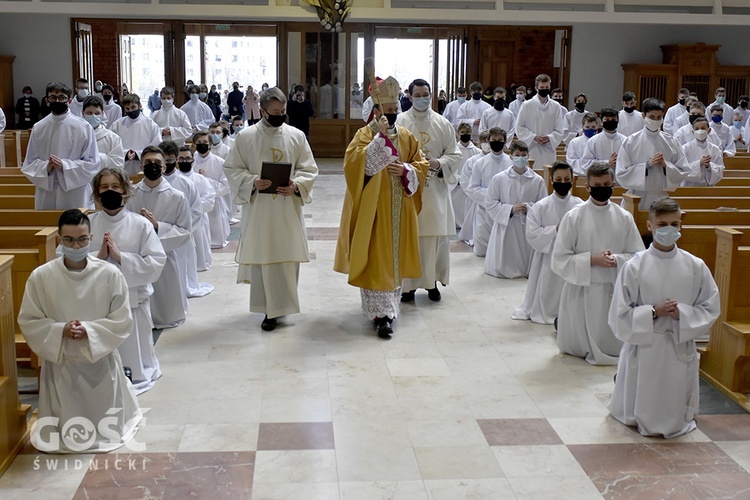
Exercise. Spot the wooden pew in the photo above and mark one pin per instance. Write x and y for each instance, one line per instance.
(13, 189)
(725, 361)
(37, 218)
(739, 162)
(12, 148)
(2, 150)
(10, 171)
(14, 179)
(14, 430)
(23, 141)
(693, 216)
(21, 201)
(30, 247)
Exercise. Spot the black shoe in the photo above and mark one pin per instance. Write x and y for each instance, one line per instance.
(434, 294)
(408, 296)
(128, 373)
(384, 329)
(555, 324)
(268, 324)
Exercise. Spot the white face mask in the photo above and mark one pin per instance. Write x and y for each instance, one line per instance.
(700, 134)
(520, 162)
(421, 103)
(167, 103)
(667, 235)
(83, 93)
(486, 148)
(653, 125)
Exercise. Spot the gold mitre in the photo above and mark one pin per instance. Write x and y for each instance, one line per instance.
(388, 90)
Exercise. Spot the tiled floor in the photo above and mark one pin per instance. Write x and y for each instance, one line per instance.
(463, 403)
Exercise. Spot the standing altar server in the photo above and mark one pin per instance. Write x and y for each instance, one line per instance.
(273, 239)
(540, 125)
(437, 141)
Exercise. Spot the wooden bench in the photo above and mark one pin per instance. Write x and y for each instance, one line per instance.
(21, 201)
(12, 148)
(725, 361)
(30, 247)
(695, 216)
(14, 430)
(36, 218)
(10, 171)
(13, 189)
(739, 162)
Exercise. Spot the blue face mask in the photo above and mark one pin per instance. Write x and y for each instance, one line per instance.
(238, 128)
(461, 99)
(93, 120)
(215, 139)
(520, 162)
(738, 124)
(716, 119)
(75, 254)
(667, 235)
(421, 103)
(589, 132)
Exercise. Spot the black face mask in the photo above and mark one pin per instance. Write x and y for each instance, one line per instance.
(610, 125)
(562, 188)
(580, 106)
(134, 114)
(201, 148)
(170, 167)
(236, 87)
(682, 101)
(543, 92)
(185, 166)
(465, 137)
(391, 117)
(107, 97)
(628, 109)
(476, 96)
(743, 104)
(499, 104)
(58, 108)
(558, 100)
(276, 120)
(111, 200)
(692, 118)
(601, 193)
(497, 146)
(152, 171)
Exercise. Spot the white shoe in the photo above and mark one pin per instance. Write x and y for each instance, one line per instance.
(520, 314)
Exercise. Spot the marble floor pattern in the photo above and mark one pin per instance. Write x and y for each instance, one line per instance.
(463, 403)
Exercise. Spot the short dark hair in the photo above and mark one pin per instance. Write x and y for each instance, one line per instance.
(72, 217)
(581, 95)
(557, 90)
(700, 119)
(167, 90)
(718, 108)
(652, 104)
(198, 135)
(237, 117)
(184, 149)
(719, 89)
(59, 86)
(298, 88)
(476, 86)
(93, 100)
(169, 148)
(599, 169)
(108, 87)
(521, 88)
(194, 87)
(742, 97)
(461, 90)
(214, 124)
(589, 117)
(131, 99)
(608, 112)
(152, 149)
(561, 165)
(463, 125)
(518, 146)
(683, 90)
(500, 90)
(662, 206)
(628, 96)
(698, 105)
(498, 131)
(81, 80)
(419, 82)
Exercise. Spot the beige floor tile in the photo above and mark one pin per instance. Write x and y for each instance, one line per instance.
(296, 410)
(219, 437)
(295, 491)
(393, 433)
(296, 466)
(377, 463)
(458, 462)
(469, 489)
(418, 367)
(437, 433)
(546, 487)
(532, 461)
(379, 490)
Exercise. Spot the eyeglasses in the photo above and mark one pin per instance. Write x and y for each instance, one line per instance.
(83, 240)
(57, 98)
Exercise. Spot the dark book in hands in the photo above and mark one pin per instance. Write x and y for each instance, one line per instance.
(277, 173)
